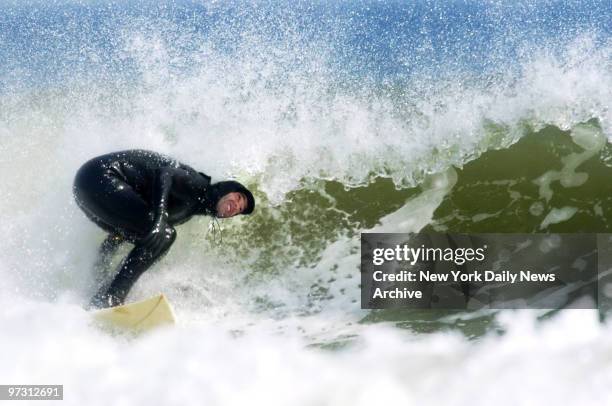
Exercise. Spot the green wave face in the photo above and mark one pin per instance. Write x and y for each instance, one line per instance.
(550, 180)
(545, 182)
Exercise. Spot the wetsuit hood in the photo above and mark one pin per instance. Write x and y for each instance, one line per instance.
(216, 191)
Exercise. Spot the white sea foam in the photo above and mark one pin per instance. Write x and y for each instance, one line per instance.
(253, 117)
(563, 361)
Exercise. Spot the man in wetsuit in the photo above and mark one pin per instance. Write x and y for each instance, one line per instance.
(139, 196)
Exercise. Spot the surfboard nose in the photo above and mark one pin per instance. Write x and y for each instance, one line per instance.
(137, 317)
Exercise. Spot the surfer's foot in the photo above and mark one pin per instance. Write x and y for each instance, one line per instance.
(104, 300)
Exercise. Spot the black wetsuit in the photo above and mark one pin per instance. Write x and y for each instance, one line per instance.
(138, 196)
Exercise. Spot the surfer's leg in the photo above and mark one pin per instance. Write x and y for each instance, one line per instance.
(107, 249)
(116, 207)
(135, 264)
(111, 203)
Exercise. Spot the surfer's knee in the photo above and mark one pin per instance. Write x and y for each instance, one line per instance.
(151, 251)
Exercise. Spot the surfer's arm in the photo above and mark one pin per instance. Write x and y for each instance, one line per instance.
(161, 190)
(166, 178)
(184, 183)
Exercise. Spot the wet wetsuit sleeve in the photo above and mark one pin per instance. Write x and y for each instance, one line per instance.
(180, 181)
(161, 191)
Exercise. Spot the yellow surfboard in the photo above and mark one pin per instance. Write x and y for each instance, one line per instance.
(139, 316)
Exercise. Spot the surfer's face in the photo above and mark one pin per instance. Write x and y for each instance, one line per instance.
(231, 204)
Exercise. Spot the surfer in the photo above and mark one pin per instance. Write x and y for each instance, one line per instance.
(139, 196)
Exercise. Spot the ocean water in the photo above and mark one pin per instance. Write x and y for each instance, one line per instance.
(343, 117)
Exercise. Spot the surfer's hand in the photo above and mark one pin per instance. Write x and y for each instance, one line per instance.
(159, 239)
